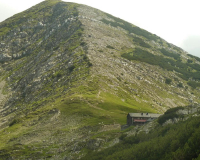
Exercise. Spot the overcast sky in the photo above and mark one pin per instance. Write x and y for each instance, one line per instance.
(176, 21)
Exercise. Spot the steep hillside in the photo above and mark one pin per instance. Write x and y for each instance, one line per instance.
(71, 73)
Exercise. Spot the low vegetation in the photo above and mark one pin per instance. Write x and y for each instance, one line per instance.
(194, 84)
(173, 141)
(168, 81)
(170, 114)
(170, 54)
(166, 63)
(141, 42)
(129, 27)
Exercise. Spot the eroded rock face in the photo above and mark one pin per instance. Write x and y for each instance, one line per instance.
(5, 57)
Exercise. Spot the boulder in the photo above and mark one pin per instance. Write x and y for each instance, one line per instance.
(5, 57)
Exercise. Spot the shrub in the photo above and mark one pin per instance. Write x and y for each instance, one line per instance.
(180, 85)
(83, 43)
(108, 46)
(162, 119)
(169, 114)
(129, 27)
(165, 63)
(193, 84)
(195, 57)
(14, 121)
(141, 42)
(168, 81)
(71, 68)
(58, 75)
(189, 61)
(170, 54)
(90, 64)
(173, 110)
(122, 136)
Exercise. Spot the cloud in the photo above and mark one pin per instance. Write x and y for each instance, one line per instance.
(192, 45)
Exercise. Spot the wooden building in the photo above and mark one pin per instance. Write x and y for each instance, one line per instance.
(141, 118)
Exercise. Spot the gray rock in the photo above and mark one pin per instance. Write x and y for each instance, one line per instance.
(5, 57)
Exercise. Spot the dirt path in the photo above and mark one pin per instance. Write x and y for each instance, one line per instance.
(2, 83)
(98, 94)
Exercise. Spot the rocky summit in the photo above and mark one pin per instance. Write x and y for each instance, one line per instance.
(70, 74)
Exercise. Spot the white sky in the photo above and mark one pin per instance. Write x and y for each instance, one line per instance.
(176, 21)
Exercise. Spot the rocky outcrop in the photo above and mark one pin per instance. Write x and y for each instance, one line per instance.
(5, 57)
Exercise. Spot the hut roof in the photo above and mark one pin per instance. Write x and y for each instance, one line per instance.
(146, 115)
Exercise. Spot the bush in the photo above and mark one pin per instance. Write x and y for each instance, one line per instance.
(195, 57)
(173, 110)
(58, 75)
(180, 85)
(165, 63)
(71, 68)
(14, 121)
(189, 61)
(193, 84)
(168, 81)
(162, 119)
(129, 27)
(108, 46)
(141, 42)
(83, 43)
(170, 54)
(169, 114)
(122, 136)
(90, 64)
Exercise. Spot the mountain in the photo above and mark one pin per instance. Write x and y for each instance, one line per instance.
(71, 73)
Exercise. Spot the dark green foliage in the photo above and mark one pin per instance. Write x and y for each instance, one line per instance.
(195, 57)
(55, 48)
(71, 68)
(170, 54)
(169, 114)
(193, 84)
(119, 78)
(83, 43)
(108, 46)
(165, 63)
(195, 66)
(173, 110)
(14, 121)
(122, 136)
(180, 85)
(189, 61)
(168, 81)
(86, 59)
(59, 75)
(89, 64)
(141, 42)
(130, 28)
(174, 142)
